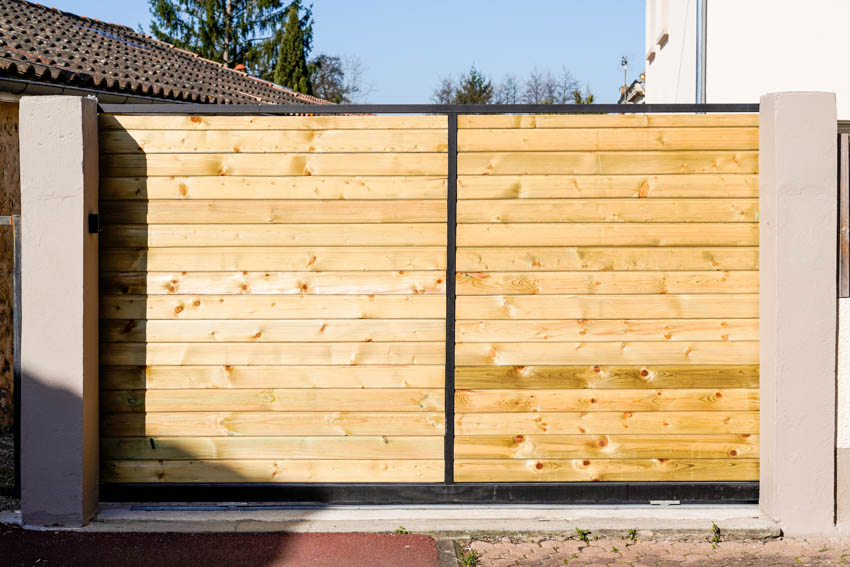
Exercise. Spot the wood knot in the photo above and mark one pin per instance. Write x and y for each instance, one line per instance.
(592, 400)
(196, 303)
(539, 465)
(603, 442)
(519, 439)
(195, 119)
(718, 395)
(178, 309)
(597, 369)
(644, 372)
(733, 453)
(585, 463)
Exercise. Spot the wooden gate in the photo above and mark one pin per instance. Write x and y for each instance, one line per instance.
(274, 299)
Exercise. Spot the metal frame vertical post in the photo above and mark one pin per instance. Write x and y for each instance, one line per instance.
(16, 315)
(451, 258)
(843, 215)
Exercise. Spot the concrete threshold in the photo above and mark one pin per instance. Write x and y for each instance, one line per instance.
(649, 522)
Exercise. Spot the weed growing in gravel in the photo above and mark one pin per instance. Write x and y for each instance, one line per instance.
(583, 535)
(469, 558)
(715, 533)
(401, 530)
(632, 536)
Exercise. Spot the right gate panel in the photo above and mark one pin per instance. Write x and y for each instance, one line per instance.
(607, 298)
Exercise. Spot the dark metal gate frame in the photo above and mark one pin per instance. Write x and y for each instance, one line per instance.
(446, 492)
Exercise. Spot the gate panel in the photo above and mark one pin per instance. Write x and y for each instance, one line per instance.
(273, 298)
(607, 298)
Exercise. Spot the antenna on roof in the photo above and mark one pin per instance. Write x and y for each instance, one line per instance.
(624, 61)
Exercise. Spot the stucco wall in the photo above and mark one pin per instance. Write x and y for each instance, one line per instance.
(670, 76)
(10, 203)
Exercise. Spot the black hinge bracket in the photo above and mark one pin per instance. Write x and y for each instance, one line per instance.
(95, 223)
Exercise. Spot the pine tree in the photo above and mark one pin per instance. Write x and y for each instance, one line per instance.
(474, 88)
(291, 69)
(232, 32)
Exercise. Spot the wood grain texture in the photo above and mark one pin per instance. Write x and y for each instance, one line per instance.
(414, 282)
(607, 422)
(159, 377)
(659, 306)
(223, 211)
(243, 122)
(607, 120)
(607, 210)
(268, 399)
(606, 377)
(631, 446)
(633, 352)
(497, 163)
(236, 424)
(601, 234)
(279, 141)
(585, 139)
(274, 331)
(295, 187)
(591, 470)
(595, 259)
(273, 353)
(257, 258)
(586, 330)
(606, 283)
(273, 307)
(191, 164)
(309, 447)
(241, 470)
(542, 186)
(590, 400)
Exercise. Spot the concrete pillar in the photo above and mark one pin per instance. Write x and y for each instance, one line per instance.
(797, 228)
(59, 351)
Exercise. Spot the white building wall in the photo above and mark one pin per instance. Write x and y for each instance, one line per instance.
(671, 73)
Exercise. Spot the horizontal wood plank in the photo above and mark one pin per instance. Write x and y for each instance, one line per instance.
(591, 400)
(258, 122)
(274, 283)
(267, 399)
(235, 424)
(159, 377)
(242, 471)
(273, 307)
(606, 377)
(637, 120)
(607, 422)
(483, 259)
(689, 185)
(605, 470)
(325, 447)
(606, 283)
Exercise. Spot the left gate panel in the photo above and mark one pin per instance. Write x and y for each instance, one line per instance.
(273, 298)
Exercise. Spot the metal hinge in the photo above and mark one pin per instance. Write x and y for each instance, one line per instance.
(95, 223)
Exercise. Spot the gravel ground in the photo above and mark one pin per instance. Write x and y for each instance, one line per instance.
(7, 471)
(623, 552)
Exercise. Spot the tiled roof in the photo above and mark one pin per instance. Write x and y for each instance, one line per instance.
(44, 44)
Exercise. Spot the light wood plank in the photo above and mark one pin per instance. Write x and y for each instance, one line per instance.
(247, 188)
(591, 470)
(290, 258)
(223, 211)
(634, 352)
(524, 446)
(591, 400)
(604, 283)
(389, 234)
(606, 377)
(272, 353)
(263, 376)
(584, 139)
(241, 470)
(607, 120)
(277, 331)
(273, 307)
(580, 330)
(191, 448)
(275, 283)
(597, 234)
(189, 164)
(301, 400)
(482, 259)
(502, 163)
(690, 185)
(607, 422)
(235, 424)
(660, 306)
(276, 141)
(608, 210)
(255, 122)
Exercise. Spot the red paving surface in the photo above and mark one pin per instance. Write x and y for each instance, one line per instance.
(25, 547)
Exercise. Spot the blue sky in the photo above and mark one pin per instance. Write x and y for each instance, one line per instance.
(406, 46)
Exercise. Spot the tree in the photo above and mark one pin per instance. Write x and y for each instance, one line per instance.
(291, 67)
(445, 91)
(582, 98)
(230, 31)
(471, 88)
(508, 90)
(337, 79)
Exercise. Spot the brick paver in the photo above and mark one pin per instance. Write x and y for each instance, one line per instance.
(624, 552)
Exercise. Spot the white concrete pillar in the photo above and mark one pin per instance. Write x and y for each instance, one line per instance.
(797, 227)
(59, 351)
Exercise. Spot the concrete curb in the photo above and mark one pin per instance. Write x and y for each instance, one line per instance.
(447, 553)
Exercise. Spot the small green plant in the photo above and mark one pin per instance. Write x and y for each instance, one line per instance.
(583, 535)
(401, 530)
(715, 533)
(632, 536)
(614, 550)
(469, 558)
